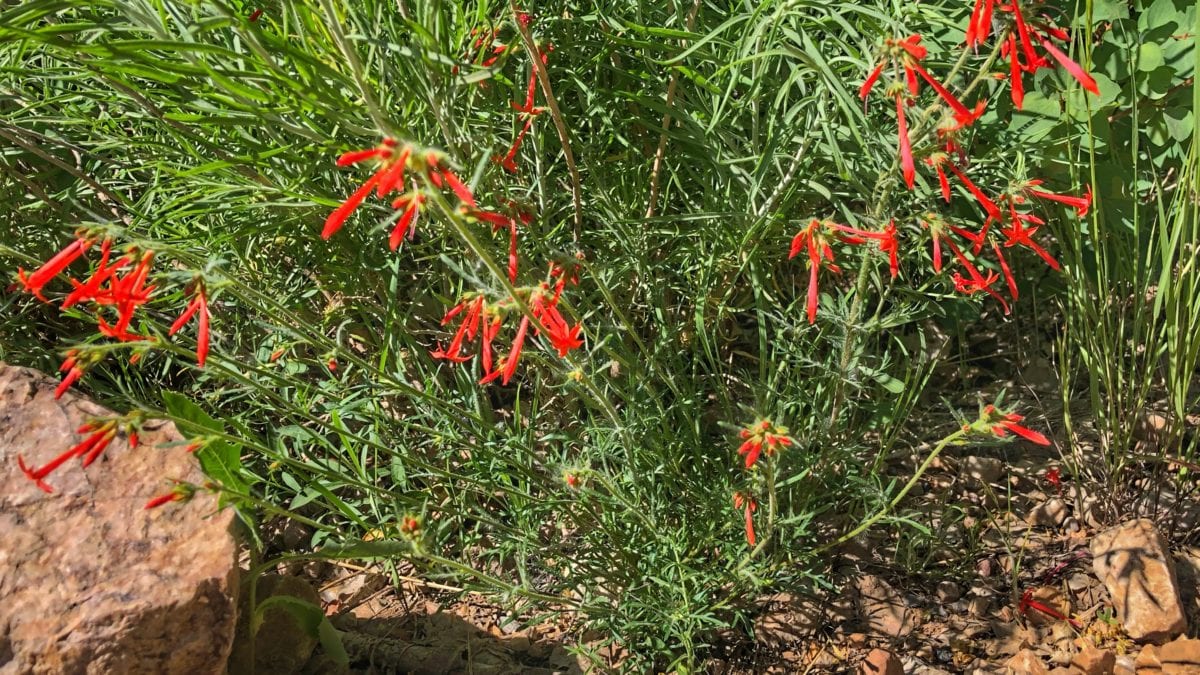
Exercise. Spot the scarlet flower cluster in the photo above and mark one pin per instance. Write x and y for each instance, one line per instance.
(1007, 214)
(100, 435)
(528, 112)
(1022, 28)
(120, 282)
(815, 239)
(393, 161)
(995, 422)
(478, 314)
(760, 436)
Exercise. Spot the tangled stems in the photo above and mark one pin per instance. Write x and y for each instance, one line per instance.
(879, 515)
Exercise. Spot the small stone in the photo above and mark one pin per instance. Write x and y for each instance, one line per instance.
(947, 591)
(1147, 661)
(1051, 597)
(979, 606)
(1093, 661)
(881, 662)
(1150, 429)
(1125, 665)
(984, 568)
(883, 609)
(1132, 561)
(1026, 662)
(1180, 656)
(982, 469)
(1051, 513)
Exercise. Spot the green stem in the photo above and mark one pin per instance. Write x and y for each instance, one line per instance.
(879, 515)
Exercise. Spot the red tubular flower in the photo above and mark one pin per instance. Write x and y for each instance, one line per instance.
(1070, 66)
(509, 362)
(1001, 423)
(988, 205)
(254, 15)
(437, 175)
(886, 239)
(562, 336)
(509, 161)
(936, 160)
(411, 203)
(35, 281)
(890, 245)
(89, 448)
(962, 115)
(338, 218)
(126, 294)
(748, 506)
(1080, 204)
(937, 229)
(163, 499)
(182, 492)
(391, 176)
(1032, 60)
(1016, 81)
(813, 239)
(1018, 235)
(980, 23)
(474, 307)
(74, 371)
(92, 288)
(867, 84)
(198, 304)
(388, 177)
(912, 45)
(977, 281)
(906, 159)
(1027, 603)
(1008, 277)
(1054, 478)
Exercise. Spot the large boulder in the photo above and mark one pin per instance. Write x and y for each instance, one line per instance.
(91, 581)
(1133, 562)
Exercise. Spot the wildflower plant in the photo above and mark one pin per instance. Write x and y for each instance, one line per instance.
(426, 302)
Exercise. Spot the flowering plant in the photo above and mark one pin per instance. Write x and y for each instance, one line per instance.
(412, 290)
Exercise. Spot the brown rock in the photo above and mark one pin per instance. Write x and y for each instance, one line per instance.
(1132, 561)
(881, 662)
(1147, 662)
(92, 582)
(982, 469)
(1180, 657)
(1026, 662)
(883, 609)
(1051, 597)
(948, 591)
(1093, 661)
(1051, 513)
